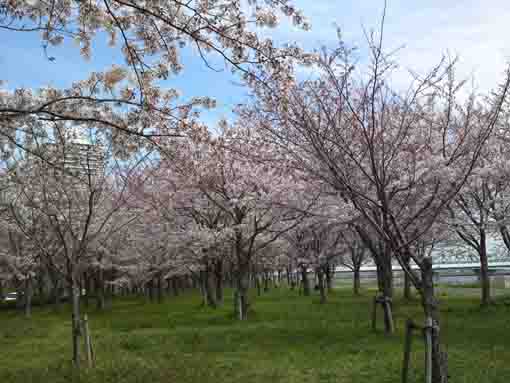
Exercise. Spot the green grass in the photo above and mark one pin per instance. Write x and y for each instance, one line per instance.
(288, 338)
(475, 285)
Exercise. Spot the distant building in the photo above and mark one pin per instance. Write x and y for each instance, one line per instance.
(77, 159)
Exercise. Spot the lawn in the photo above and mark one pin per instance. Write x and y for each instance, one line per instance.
(288, 338)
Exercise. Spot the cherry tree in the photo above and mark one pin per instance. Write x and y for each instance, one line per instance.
(398, 157)
(355, 255)
(297, 253)
(481, 209)
(201, 226)
(235, 173)
(493, 176)
(470, 220)
(129, 103)
(266, 266)
(19, 261)
(317, 243)
(63, 209)
(323, 245)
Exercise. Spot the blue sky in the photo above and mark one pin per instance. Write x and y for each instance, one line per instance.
(476, 30)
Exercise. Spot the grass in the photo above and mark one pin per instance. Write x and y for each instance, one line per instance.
(288, 338)
(475, 285)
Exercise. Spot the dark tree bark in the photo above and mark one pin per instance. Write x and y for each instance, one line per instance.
(150, 290)
(218, 274)
(210, 285)
(329, 278)
(305, 281)
(111, 289)
(55, 295)
(76, 320)
(484, 270)
(386, 275)
(321, 284)
(86, 287)
(356, 281)
(241, 296)
(160, 289)
(41, 290)
(28, 297)
(208, 288)
(266, 281)
(100, 290)
(20, 297)
(407, 288)
(175, 286)
(407, 281)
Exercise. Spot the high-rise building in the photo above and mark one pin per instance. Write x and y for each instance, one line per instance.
(76, 158)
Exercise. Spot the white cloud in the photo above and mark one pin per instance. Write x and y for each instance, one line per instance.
(475, 30)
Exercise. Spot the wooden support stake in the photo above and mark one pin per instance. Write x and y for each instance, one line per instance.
(88, 342)
(390, 315)
(427, 331)
(407, 349)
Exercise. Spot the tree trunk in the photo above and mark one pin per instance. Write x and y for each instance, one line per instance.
(407, 287)
(55, 294)
(202, 286)
(86, 287)
(407, 282)
(41, 294)
(484, 270)
(168, 286)
(100, 289)
(439, 362)
(175, 286)
(218, 273)
(385, 279)
(387, 276)
(20, 301)
(150, 289)
(322, 289)
(160, 289)
(207, 287)
(243, 280)
(231, 277)
(266, 281)
(111, 289)
(210, 288)
(329, 278)
(76, 320)
(305, 281)
(28, 297)
(356, 281)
